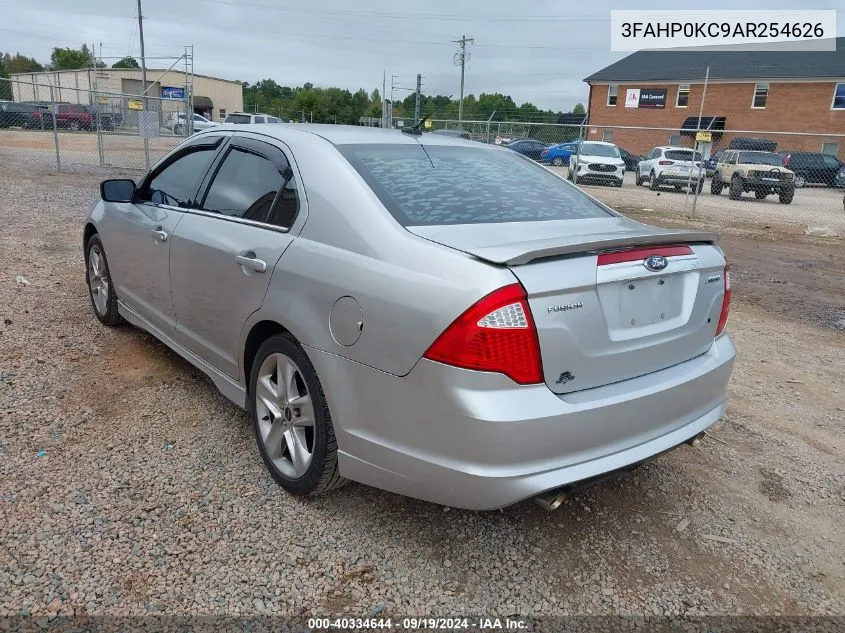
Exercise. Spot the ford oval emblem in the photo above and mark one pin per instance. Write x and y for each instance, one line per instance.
(656, 263)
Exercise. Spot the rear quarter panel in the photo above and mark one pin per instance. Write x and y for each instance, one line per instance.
(409, 289)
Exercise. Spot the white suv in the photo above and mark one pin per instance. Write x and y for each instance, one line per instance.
(672, 166)
(597, 161)
(247, 118)
(176, 124)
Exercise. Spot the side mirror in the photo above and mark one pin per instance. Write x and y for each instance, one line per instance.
(118, 190)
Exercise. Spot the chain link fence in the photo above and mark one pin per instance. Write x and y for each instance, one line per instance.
(780, 178)
(65, 129)
(68, 129)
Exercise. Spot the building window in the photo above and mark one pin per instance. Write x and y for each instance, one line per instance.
(683, 96)
(674, 140)
(222, 113)
(838, 97)
(607, 136)
(831, 149)
(761, 95)
(612, 91)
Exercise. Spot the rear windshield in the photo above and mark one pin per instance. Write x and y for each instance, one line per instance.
(594, 149)
(681, 154)
(758, 158)
(438, 185)
(237, 118)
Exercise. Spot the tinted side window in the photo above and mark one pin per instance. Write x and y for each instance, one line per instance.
(176, 185)
(247, 186)
(259, 119)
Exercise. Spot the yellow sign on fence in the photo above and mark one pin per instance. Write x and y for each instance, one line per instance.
(103, 100)
(703, 137)
(427, 124)
(135, 104)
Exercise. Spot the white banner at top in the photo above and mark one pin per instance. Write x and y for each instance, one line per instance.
(806, 30)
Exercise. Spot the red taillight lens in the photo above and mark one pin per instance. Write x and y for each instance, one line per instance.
(496, 334)
(726, 303)
(666, 162)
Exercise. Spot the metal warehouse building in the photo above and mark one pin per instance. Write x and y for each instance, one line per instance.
(213, 97)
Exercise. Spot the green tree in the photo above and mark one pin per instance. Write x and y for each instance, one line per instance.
(72, 58)
(18, 63)
(579, 109)
(126, 62)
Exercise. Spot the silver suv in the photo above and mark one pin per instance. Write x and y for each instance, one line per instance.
(245, 118)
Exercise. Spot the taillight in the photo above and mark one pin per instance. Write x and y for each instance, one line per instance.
(666, 162)
(726, 302)
(496, 334)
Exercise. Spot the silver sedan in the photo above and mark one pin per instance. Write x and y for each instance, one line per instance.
(435, 317)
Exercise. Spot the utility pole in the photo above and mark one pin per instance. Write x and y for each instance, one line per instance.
(460, 59)
(383, 99)
(143, 80)
(417, 102)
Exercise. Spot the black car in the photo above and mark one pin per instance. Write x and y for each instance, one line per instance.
(23, 115)
(631, 160)
(812, 167)
(528, 147)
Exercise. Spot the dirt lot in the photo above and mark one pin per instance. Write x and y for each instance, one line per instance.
(128, 485)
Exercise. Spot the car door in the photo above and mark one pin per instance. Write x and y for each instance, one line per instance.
(137, 235)
(226, 249)
(644, 167)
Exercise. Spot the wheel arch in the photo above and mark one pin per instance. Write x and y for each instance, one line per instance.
(89, 230)
(258, 333)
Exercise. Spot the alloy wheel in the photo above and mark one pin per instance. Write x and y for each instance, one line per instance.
(285, 415)
(98, 279)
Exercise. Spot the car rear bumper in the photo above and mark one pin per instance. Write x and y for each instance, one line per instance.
(477, 440)
(679, 179)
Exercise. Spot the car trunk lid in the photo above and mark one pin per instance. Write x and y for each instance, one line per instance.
(603, 315)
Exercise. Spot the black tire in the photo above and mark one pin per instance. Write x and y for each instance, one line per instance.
(735, 190)
(109, 314)
(557, 161)
(639, 180)
(760, 194)
(322, 474)
(785, 196)
(716, 185)
(652, 182)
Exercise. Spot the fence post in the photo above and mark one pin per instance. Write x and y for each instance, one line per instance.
(98, 113)
(55, 129)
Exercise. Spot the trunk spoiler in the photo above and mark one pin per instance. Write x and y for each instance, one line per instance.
(522, 252)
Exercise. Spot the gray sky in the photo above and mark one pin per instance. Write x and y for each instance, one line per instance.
(537, 50)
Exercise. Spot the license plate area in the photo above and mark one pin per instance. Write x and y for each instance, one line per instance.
(637, 303)
(646, 301)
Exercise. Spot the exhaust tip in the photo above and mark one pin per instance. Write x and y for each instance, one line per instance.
(550, 501)
(696, 440)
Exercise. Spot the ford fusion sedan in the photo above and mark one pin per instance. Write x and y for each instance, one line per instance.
(436, 317)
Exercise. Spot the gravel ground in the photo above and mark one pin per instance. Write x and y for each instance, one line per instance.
(128, 485)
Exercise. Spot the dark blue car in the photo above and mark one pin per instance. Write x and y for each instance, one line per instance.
(528, 147)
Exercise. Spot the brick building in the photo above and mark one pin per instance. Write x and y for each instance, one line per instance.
(749, 94)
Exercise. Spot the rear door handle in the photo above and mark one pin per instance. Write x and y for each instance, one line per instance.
(159, 234)
(253, 263)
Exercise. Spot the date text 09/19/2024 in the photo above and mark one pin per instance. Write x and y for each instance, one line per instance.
(450, 624)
